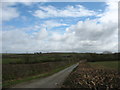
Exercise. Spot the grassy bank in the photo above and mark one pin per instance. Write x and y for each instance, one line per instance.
(14, 82)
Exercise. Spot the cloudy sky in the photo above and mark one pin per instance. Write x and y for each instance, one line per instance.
(58, 26)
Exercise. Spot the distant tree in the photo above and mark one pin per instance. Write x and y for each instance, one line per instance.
(38, 53)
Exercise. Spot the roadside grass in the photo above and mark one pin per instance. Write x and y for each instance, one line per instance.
(11, 83)
(106, 64)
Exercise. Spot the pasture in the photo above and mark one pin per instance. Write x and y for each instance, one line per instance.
(106, 64)
(53, 57)
(35, 58)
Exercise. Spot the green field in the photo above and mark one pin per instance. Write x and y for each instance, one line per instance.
(34, 58)
(106, 64)
(53, 57)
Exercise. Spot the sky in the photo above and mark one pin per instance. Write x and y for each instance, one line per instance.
(59, 26)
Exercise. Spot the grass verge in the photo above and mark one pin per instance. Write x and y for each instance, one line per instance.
(14, 82)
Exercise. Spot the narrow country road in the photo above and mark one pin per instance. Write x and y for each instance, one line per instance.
(53, 81)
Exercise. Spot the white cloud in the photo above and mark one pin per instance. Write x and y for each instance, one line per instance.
(111, 12)
(8, 12)
(96, 35)
(93, 36)
(42, 34)
(52, 23)
(15, 40)
(69, 11)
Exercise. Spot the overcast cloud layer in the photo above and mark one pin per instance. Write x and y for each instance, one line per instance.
(91, 35)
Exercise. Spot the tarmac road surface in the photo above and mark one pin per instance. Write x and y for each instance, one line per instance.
(53, 81)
